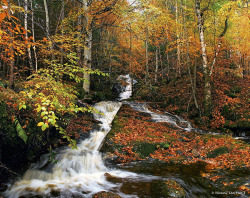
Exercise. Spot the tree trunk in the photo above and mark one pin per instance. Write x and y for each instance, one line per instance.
(168, 67)
(193, 82)
(156, 64)
(46, 17)
(178, 63)
(47, 27)
(12, 60)
(62, 30)
(87, 49)
(79, 36)
(130, 57)
(33, 34)
(147, 72)
(206, 72)
(26, 33)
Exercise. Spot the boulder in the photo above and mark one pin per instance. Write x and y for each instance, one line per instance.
(168, 188)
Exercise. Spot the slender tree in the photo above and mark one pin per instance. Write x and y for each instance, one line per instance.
(26, 33)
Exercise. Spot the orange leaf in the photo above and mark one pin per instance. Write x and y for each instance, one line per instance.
(2, 16)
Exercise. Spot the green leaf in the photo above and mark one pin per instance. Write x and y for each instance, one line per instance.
(44, 113)
(22, 107)
(21, 133)
(45, 117)
(45, 126)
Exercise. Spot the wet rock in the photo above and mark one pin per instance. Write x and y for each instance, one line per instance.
(144, 114)
(110, 159)
(195, 153)
(112, 178)
(3, 187)
(168, 188)
(105, 194)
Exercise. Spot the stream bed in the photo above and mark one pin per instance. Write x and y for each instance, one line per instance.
(83, 173)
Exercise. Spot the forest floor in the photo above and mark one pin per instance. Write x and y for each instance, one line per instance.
(134, 137)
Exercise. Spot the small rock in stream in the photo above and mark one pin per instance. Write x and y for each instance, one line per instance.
(112, 178)
(105, 194)
(195, 153)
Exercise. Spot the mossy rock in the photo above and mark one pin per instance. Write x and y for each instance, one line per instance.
(236, 89)
(144, 149)
(217, 152)
(167, 188)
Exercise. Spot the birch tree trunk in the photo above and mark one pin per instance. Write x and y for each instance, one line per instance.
(87, 47)
(26, 33)
(46, 17)
(33, 33)
(47, 27)
(130, 57)
(206, 72)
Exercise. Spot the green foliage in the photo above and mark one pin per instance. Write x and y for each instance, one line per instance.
(47, 99)
(7, 128)
(21, 133)
(164, 145)
(52, 156)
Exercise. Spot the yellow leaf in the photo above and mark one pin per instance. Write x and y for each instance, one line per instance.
(40, 124)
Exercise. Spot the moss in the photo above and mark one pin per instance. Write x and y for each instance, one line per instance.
(144, 149)
(168, 188)
(217, 152)
(236, 89)
(207, 137)
(7, 127)
(109, 145)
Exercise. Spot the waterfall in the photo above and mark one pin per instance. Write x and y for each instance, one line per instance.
(77, 170)
(127, 90)
(81, 172)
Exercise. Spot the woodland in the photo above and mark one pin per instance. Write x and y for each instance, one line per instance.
(189, 58)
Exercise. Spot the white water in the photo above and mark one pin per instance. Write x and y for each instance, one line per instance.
(79, 171)
(159, 117)
(127, 93)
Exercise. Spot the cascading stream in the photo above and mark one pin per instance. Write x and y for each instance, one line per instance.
(159, 117)
(81, 171)
(78, 171)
